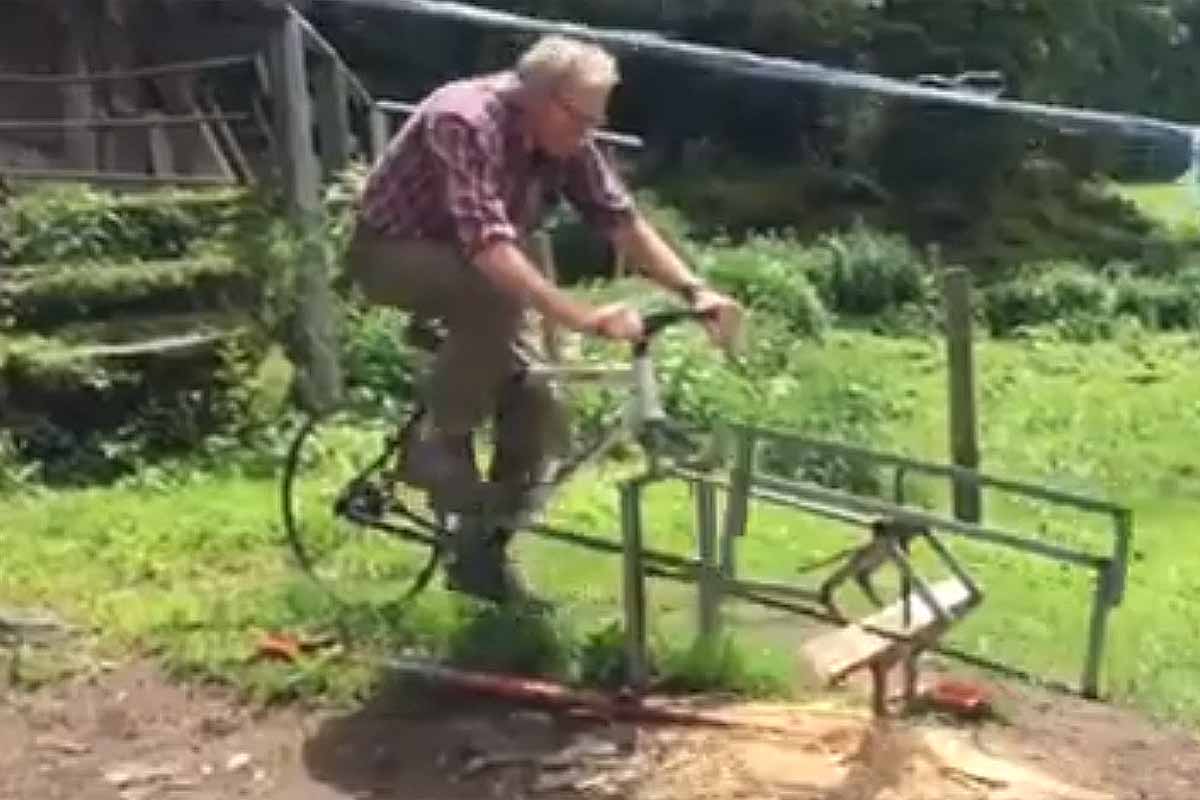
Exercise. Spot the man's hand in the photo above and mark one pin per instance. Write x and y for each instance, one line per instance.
(506, 266)
(663, 265)
(723, 318)
(617, 321)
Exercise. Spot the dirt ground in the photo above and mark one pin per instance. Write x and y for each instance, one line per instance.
(130, 734)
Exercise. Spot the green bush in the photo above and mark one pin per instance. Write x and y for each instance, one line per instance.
(1160, 303)
(581, 255)
(509, 640)
(870, 272)
(1045, 293)
(48, 297)
(374, 353)
(771, 275)
(72, 223)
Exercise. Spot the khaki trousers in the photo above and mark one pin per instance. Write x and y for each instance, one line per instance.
(477, 373)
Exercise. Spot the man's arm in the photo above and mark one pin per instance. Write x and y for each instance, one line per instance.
(507, 266)
(661, 264)
(638, 239)
(598, 193)
(488, 239)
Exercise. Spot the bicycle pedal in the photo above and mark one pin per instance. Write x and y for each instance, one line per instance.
(364, 500)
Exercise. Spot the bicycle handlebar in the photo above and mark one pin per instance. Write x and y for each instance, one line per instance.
(656, 323)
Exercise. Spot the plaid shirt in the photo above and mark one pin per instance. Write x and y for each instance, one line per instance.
(460, 171)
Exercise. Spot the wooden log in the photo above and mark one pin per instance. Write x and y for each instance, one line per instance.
(333, 117)
(836, 654)
(320, 382)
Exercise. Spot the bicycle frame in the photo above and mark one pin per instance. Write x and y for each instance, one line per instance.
(641, 416)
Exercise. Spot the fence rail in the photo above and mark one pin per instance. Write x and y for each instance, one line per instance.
(109, 123)
(100, 176)
(181, 67)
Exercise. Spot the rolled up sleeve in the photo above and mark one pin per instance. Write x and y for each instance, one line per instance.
(469, 177)
(597, 192)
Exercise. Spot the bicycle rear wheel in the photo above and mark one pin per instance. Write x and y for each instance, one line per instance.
(363, 537)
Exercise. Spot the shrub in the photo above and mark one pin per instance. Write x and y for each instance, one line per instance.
(71, 223)
(1160, 303)
(870, 272)
(1045, 293)
(374, 354)
(771, 275)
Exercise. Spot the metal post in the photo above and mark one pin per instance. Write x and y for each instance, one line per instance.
(1124, 533)
(379, 132)
(964, 447)
(737, 509)
(1096, 631)
(636, 660)
(709, 594)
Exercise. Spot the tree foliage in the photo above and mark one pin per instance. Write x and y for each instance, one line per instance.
(939, 171)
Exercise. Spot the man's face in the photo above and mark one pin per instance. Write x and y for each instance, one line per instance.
(563, 118)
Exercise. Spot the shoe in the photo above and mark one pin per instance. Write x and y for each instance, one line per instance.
(479, 565)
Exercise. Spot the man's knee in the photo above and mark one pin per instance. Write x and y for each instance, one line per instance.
(533, 407)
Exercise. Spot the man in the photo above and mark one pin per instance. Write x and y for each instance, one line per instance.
(440, 231)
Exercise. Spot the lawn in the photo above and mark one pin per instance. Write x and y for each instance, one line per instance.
(190, 566)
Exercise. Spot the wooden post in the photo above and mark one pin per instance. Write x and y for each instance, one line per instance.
(379, 132)
(162, 159)
(333, 116)
(964, 446)
(319, 383)
(79, 99)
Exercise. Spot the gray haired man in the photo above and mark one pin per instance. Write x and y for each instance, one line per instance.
(440, 227)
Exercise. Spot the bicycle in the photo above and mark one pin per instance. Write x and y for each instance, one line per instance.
(373, 498)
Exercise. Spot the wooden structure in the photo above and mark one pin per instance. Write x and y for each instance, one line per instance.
(237, 92)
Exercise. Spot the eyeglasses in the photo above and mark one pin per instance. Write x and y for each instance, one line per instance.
(582, 118)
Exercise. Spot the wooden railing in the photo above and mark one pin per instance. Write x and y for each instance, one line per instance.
(215, 126)
(311, 134)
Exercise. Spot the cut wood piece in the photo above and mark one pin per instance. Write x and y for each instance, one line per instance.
(838, 653)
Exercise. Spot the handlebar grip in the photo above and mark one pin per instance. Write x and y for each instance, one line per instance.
(653, 324)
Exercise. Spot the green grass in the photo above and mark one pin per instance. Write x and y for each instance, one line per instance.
(1174, 205)
(194, 569)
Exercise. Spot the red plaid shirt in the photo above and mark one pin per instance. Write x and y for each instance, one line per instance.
(460, 171)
